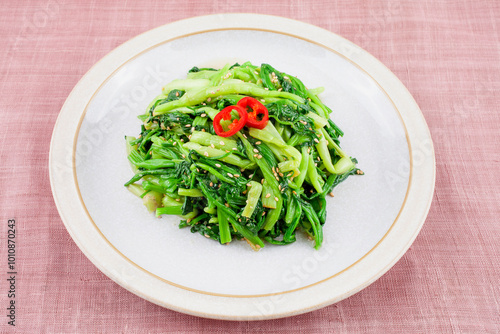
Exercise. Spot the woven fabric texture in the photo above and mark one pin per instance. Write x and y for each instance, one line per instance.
(447, 53)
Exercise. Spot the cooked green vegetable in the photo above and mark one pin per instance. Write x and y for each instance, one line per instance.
(258, 185)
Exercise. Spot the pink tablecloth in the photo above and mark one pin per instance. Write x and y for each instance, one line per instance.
(446, 52)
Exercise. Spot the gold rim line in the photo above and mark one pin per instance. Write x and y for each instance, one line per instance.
(75, 177)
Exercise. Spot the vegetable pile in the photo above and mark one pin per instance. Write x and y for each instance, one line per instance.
(243, 152)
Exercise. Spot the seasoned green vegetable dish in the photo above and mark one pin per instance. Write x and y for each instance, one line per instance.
(243, 152)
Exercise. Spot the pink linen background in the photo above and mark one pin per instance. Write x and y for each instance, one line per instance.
(446, 52)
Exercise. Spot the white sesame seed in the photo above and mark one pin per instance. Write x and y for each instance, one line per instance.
(276, 199)
(229, 174)
(268, 195)
(205, 154)
(218, 165)
(222, 143)
(259, 156)
(203, 115)
(188, 125)
(234, 149)
(256, 150)
(212, 145)
(258, 143)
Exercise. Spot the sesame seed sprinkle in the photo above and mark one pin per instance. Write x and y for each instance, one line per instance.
(268, 195)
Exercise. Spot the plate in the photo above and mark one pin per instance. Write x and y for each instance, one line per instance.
(372, 220)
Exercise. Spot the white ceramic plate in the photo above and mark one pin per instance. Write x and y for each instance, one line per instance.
(372, 220)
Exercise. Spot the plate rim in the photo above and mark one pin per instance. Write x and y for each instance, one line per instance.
(231, 22)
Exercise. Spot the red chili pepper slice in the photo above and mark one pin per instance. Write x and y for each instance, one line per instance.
(235, 126)
(258, 115)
